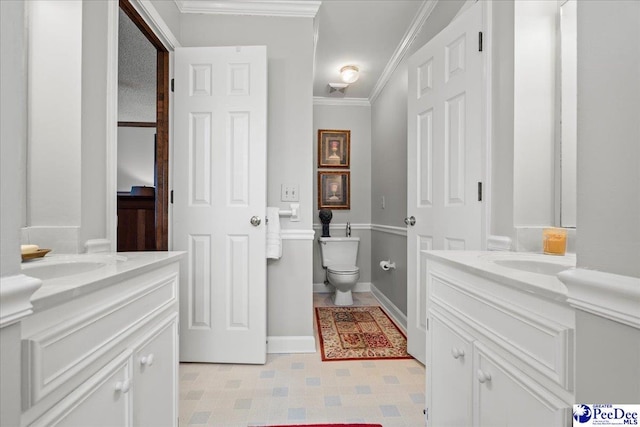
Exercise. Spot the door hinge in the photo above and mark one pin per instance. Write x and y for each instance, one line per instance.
(479, 191)
(173, 82)
(171, 197)
(480, 41)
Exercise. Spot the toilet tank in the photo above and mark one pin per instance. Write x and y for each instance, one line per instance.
(338, 250)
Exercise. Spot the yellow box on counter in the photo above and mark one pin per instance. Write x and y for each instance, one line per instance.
(554, 241)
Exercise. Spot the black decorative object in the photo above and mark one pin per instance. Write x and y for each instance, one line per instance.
(325, 216)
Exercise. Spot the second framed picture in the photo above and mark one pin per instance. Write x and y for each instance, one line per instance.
(333, 148)
(334, 190)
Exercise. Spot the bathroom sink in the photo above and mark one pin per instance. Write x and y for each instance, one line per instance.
(54, 270)
(533, 266)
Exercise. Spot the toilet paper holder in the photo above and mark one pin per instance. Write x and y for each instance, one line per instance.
(387, 265)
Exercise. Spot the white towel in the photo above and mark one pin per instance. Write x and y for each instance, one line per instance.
(274, 241)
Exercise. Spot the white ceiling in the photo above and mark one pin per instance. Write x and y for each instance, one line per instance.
(364, 33)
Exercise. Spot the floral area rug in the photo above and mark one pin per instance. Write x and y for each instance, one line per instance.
(359, 333)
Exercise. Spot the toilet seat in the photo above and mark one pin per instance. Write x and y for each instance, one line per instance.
(343, 269)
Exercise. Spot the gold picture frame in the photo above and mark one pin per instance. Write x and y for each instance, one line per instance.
(334, 148)
(334, 190)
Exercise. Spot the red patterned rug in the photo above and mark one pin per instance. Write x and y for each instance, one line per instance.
(359, 333)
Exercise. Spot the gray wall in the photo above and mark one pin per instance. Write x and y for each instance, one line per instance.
(136, 153)
(608, 214)
(389, 161)
(357, 119)
(289, 44)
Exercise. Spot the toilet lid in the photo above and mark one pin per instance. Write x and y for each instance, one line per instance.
(343, 269)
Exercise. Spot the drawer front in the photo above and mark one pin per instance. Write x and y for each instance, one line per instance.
(540, 343)
(59, 353)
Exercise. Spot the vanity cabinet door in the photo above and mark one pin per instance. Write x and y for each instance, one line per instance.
(104, 400)
(155, 365)
(505, 396)
(449, 368)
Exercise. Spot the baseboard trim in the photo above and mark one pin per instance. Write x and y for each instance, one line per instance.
(398, 316)
(321, 288)
(291, 344)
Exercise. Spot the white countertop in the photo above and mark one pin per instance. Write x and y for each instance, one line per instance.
(482, 263)
(113, 268)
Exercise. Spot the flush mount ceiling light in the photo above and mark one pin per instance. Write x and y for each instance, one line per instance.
(349, 74)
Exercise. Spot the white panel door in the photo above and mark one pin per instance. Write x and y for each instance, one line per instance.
(444, 156)
(219, 161)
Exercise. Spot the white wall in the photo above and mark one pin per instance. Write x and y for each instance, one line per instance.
(13, 136)
(55, 109)
(502, 150)
(94, 121)
(357, 119)
(608, 214)
(534, 112)
(13, 132)
(290, 145)
(66, 193)
(389, 163)
(136, 151)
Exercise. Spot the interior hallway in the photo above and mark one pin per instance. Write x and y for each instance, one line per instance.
(301, 389)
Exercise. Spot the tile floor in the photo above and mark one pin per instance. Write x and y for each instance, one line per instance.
(301, 389)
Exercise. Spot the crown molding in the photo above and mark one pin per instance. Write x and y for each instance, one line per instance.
(151, 16)
(292, 8)
(344, 102)
(416, 25)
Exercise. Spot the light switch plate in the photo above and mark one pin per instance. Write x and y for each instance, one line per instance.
(289, 193)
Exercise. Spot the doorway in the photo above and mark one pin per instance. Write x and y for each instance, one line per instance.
(143, 210)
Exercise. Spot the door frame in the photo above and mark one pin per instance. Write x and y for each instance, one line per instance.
(159, 35)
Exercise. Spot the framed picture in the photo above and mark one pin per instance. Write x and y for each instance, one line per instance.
(333, 148)
(334, 191)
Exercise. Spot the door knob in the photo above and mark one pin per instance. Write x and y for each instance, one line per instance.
(410, 220)
(255, 221)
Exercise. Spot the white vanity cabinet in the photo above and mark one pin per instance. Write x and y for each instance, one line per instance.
(498, 354)
(106, 357)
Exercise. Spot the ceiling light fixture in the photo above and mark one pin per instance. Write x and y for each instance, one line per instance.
(349, 74)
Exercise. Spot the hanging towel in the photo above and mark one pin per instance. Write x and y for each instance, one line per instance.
(274, 242)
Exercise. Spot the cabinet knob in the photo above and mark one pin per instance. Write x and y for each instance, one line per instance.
(483, 377)
(147, 360)
(123, 386)
(457, 353)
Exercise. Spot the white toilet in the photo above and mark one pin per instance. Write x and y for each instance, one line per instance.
(339, 259)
